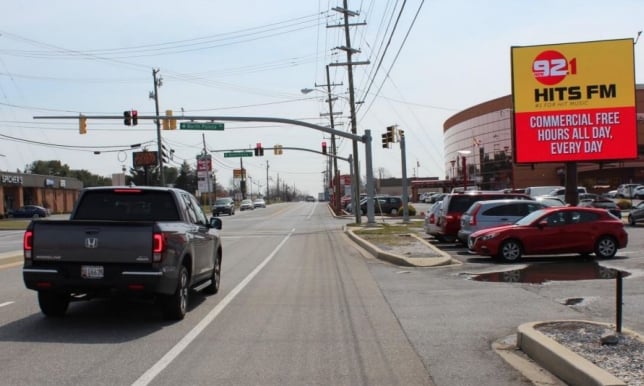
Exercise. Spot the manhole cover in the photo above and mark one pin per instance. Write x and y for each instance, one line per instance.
(540, 273)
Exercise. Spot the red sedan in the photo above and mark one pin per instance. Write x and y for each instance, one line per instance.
(550, 231)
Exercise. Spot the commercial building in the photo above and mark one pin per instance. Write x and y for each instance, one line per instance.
(478, 146)
(58, 194)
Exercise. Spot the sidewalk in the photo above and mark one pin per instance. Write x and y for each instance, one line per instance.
(530, 351)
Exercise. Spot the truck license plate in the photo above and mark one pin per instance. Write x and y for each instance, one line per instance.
(91, 271)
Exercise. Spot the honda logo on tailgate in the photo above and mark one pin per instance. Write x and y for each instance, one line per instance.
(91, 242)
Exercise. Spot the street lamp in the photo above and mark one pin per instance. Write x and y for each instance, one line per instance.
(464, 154)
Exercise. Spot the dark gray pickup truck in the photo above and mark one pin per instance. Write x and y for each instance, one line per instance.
(150, 241)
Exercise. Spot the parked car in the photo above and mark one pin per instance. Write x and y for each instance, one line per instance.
(561, 192)
(437, 197)
(29, 211)
(603, 203)
(430, 223)
(636, 214)
(246, 205)
(626, 190)
(550, 200)
(492, 213)
(535, 191)
(383, 205)
(555, 230)
(455, 204)
(223, 205)
(638, 192)
(259, 203)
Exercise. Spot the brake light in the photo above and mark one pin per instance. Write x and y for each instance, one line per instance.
(473, 215)
(127, 190)
(27, 243)
(158, 246)
(432, 218)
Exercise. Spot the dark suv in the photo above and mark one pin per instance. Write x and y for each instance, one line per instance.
(455, 204)
(224, 205)
(383, 204)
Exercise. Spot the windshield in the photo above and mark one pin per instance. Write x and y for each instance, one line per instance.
(222, 201)
(527, 220)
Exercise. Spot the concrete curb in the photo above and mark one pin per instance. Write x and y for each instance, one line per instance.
(562, 362)
(442, 260)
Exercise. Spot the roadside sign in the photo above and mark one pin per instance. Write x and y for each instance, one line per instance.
(201, 126)
(238, 154)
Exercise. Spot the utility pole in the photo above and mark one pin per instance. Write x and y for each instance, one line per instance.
(204, 154)
(336, 178)
(266, 181)
(354, 126)
(157, 84)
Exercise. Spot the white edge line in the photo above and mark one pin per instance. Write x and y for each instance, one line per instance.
(5, 304)
(174, 352)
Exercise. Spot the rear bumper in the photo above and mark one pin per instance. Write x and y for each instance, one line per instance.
(67, 278)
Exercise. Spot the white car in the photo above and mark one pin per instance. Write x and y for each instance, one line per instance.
(431, 220)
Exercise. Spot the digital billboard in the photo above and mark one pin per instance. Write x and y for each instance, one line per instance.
(574, 102)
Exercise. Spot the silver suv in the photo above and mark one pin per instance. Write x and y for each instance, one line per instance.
(492, 213)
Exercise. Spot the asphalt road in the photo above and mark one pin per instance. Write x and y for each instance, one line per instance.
(301, 304)
(298, 305)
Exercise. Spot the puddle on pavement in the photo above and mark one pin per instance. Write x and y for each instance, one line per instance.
(540, 273)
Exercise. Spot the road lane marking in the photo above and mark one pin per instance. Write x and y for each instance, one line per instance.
(178, 348)
(5, 304)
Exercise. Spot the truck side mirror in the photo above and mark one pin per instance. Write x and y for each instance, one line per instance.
(215, 222)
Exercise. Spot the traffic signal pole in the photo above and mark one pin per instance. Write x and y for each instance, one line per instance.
(366, 139)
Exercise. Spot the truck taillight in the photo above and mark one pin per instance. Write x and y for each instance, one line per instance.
(158, 246)
(27, 243)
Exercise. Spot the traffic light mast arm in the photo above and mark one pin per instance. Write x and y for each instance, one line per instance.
(354, 137)
(283, 148)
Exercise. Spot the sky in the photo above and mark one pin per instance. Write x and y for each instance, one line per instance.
(427, 60)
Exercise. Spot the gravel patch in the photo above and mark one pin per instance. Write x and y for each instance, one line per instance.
(624, 360)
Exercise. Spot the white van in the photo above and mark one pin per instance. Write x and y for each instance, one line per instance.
(535, 191)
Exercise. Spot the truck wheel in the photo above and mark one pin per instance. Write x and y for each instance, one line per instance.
(215, 278)
(177, 303)
(53, 303)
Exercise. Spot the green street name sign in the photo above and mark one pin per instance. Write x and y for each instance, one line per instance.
(238, 154)
(201, 126)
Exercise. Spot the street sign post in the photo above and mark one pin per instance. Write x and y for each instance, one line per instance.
(238, 154)
(201, 126)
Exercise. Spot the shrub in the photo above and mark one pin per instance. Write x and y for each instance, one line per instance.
(624, 204)
(410, 209)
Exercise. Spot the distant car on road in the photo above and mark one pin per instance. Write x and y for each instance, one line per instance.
(223, 205)
(246, 205)
(29, 211)
(636, 214)
(259, 203)
(556, 230)
(310, 199)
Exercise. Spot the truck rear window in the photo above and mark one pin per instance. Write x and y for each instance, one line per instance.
(141, 205)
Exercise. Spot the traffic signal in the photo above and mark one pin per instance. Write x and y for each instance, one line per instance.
(323, 147)
(135, 117)
(127, 118)
(391, 137)
(385, 141)
(259, 150)
(82, 124)
(169, 123)
(277, 149)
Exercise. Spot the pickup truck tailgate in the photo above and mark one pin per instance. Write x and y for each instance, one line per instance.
(90, 242)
